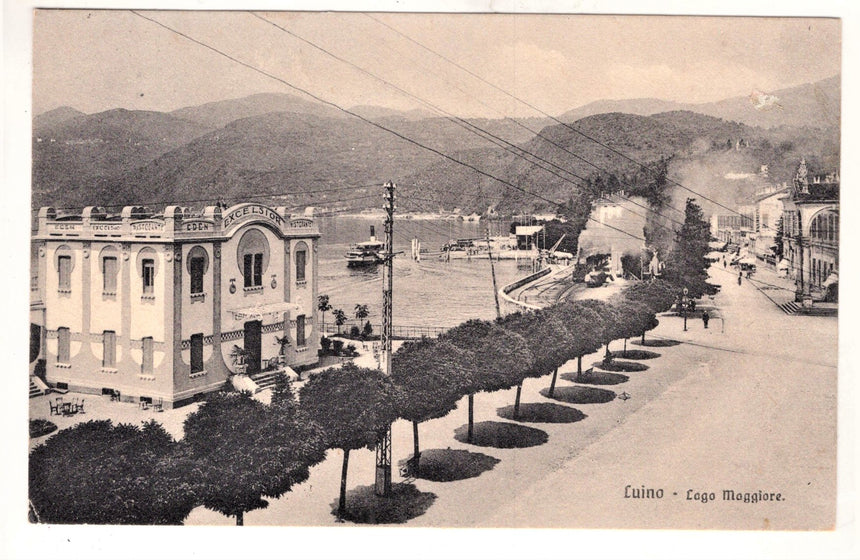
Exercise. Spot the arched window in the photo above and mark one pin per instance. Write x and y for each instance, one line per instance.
(301, 259)
(65, 263)
(198, 264)
(147, 268)
(109, 262)
(825, 227)
(253, 257)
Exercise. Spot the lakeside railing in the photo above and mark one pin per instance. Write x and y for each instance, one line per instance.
(399, 331)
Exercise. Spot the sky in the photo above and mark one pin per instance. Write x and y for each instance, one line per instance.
(98, 60)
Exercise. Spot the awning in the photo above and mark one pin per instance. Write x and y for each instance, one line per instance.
(528, 230)
(833, 278)
(747, 260)
(264, 311)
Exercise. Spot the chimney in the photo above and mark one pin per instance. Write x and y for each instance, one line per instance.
(372, 233)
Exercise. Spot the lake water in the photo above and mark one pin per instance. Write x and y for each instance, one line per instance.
(426, 293)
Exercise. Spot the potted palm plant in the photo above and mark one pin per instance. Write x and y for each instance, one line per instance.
(239, 356)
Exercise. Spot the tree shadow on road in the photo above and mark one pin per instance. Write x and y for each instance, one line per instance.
(503, 435)
(445, 465)
(635, 354)
(404, 503)
(546, 413)
(592, 377)
(618, 365)
(580, 395)
(657, 343)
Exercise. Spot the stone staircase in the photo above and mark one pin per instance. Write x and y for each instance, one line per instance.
(265, 379)
(35, 390)
(790, 307)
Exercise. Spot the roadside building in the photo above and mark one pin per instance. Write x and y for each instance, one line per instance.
(734, 227)
(608, 233)
(768, 211)
(167, 306)
(811, 241)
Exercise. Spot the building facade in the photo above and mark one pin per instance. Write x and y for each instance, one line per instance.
(811, 242)
(168, 306)
(768, 212)
(734, 228)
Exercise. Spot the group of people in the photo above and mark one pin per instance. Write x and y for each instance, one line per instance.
(749, 272)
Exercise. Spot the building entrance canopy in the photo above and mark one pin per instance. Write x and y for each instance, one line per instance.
(265, 311)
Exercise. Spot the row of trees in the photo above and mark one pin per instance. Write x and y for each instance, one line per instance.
(237, 451)
(361, 312)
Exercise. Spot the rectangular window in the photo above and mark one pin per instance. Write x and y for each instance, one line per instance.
(197, 264)
(146, 364)
(109, 359)
(196, 353)
(301, 261)
(148, 276)
(109, 275)
(63, 343)
(300, 331)
(253, 270)
(258, 269)
(65, 265)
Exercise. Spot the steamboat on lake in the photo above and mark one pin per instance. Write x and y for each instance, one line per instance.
(366, 253)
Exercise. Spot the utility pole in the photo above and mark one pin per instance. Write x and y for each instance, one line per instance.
(800, 248)
(493, 272)
(383, 443)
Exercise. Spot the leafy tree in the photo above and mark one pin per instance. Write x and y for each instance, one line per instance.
(546, 337)
(584, 330)
(243, 450)
(100, 473)
(367, 331)
(634, 318)
(340, 318)
(495, 359)
(425, 374)
(323, 305)
(353, 405)
(657, 295)
(686, 266)
(609, 325)
(779, 240)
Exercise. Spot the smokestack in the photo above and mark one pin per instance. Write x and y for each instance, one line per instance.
(372, 233)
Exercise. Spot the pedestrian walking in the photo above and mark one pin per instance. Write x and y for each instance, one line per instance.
(724, 262)
(705, 318)
(740, 276)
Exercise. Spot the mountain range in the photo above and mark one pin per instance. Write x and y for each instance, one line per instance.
(281, 145)
(814, 105)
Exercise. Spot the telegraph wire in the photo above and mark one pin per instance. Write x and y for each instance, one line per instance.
(471, 127)
(356, 115)
(556, 120)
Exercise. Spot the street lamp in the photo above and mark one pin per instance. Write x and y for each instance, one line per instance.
(684, 302)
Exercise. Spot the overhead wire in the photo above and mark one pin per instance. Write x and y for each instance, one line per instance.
(545, 114)
(356, 115)
(471, 127)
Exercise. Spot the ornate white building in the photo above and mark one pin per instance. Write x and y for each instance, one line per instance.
(167, 306)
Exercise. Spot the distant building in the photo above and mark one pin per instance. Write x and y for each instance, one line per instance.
(768, 211)
(168, 306)
(609, 232)
(734, 227)
(811, 242)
